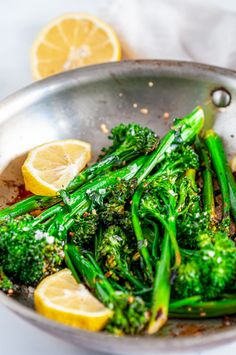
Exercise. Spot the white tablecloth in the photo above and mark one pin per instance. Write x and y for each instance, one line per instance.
(20, 22)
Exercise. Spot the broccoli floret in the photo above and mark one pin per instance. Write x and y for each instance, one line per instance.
(115, 253)
(28, 252)
(130, 315)
(211, 270)
(178, 161)
(5, 283)
(113, 206)
(218, 262)
(85, 229)
(114, 243)
(188, 227)
(131, 139)
(188, 280)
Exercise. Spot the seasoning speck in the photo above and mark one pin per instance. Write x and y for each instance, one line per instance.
(136, 256)
(166, 116)
(50, 239)
(232, 135)
(144, 110)
(150, 84)
(226, 321)
(104, 128)
(131, 299)
(31, 289)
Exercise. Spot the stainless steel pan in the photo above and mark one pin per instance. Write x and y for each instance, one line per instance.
(76, 105)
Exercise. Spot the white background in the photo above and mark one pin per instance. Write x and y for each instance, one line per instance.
(20, 21)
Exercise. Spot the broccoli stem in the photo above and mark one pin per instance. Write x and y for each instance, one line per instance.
(47, 214)
(97, 242)
(228, 296)
(138, 231)
(191, 176)
(117, 286)
(156, 239)
(31, 203)
(184, 131)
(143, 291)
(232, 191)
(125, 273)
(94, 170)
(188, 252)
(64, 221)
(208, 309)
(217, 153)
(208, 190)
(71, 266)
(170, 226)
(161, 289)
(189, 301)
(93, 276)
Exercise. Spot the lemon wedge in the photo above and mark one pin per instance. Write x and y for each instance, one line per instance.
(60, 298)
(72, 41)
(51, 166)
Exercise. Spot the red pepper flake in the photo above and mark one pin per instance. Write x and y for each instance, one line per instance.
(108, 273)
(36, 213)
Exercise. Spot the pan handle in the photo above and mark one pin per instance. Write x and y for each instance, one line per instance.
(221, 97)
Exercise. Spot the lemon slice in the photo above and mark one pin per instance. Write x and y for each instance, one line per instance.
(51, 166)
(61, 298)
(72, 41)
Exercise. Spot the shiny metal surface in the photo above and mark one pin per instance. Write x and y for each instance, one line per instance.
(75, 105)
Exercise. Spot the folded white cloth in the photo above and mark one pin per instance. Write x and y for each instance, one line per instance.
(175, 29)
